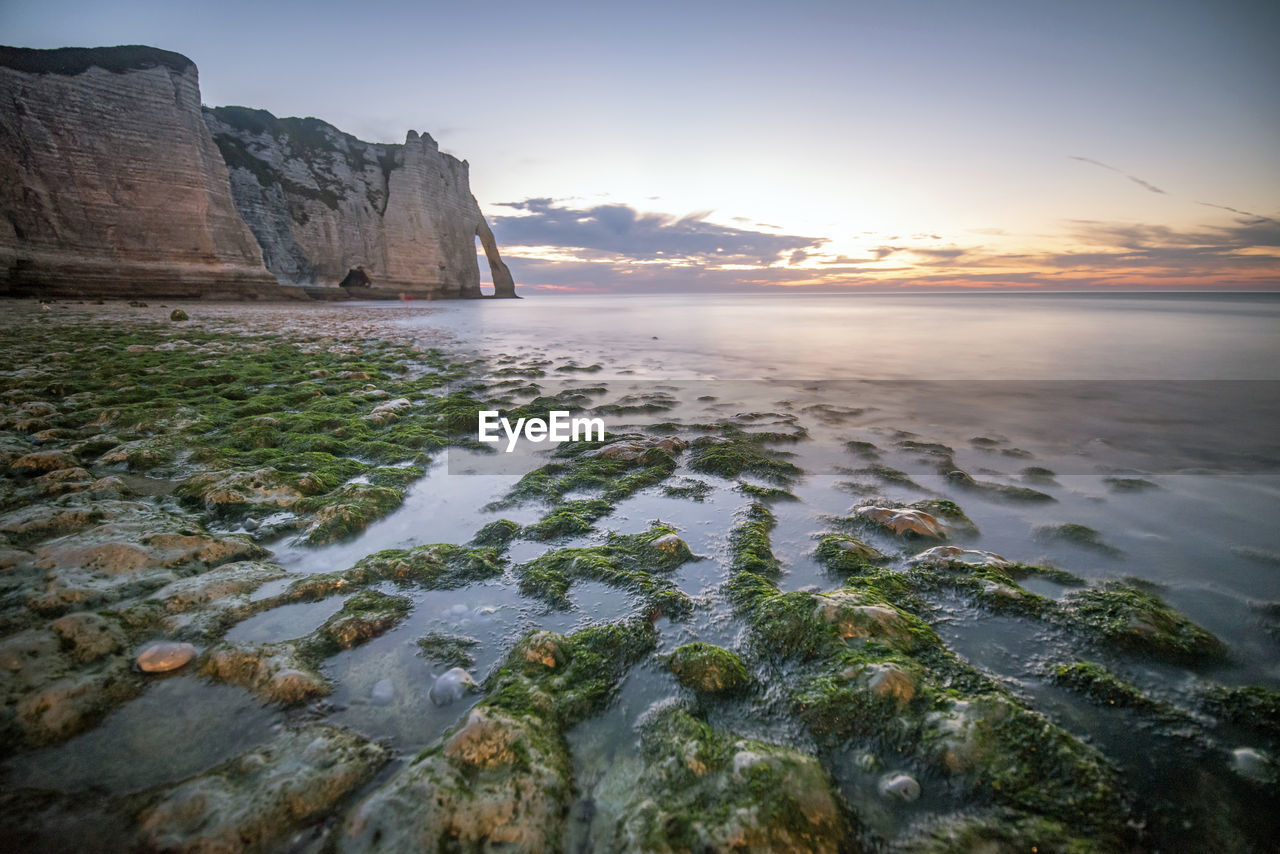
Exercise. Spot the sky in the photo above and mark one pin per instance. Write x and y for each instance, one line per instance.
(744, 146)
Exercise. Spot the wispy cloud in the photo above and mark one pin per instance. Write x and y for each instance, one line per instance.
(1146, 185)
(1240, 212)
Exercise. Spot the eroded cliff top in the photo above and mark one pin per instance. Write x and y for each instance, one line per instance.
(76, 60)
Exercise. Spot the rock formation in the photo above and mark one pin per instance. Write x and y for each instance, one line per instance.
(329, 209)
(113, 181)
(110, 183)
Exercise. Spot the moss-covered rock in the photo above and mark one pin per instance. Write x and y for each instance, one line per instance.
(363, 617)
(707, 668)
(496, 534)
(846, 554)
(257, 801)
(503, 776)
(448, 650)
(702, 790)
(1098, 684)
(279, 673)
(732, 457)
(1122, 614)
(633, 562)
(1076, 535)
(1249, 706)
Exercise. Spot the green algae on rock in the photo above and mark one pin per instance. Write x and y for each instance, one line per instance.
(496, 534)
(1135, 619)
(364, 616)
(1077, 535)
(448, 650)
(438, 566)
(707, 668)
(253, 802)
(731, 457)
(1098, 684)
(704, 790)
(279, 673)
(871, 670)
(503, 775)
(1249, 706)
(843, 553)
(632, 562)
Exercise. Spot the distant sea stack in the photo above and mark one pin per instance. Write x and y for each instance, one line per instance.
(112, 184)
(328, 208)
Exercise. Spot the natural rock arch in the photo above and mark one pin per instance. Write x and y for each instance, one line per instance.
(503, 285)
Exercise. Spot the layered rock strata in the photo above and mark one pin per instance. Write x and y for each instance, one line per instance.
(115, 182)
(110, 184)
(329, 209)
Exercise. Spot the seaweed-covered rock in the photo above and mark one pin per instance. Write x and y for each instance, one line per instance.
(1132, 618)
(503, 776)
(496, 534)
(633, 562)
(437, 566)
(947, 555)
(731, 457)
(363, 617)
(707, 668)
(38, 462)
(869, 669)
(843, 553)
(450, 650)
(569, 519)
(702, 790)
(347, 511)
(237, 493)
(1098, 684)
(1251, 706)
(1000, 491)
(51, 694)
(279, 673)
(1076, 535)
(690, 488)
(613, 471)
(258, 800)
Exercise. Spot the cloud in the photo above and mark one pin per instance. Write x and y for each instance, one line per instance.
(621, 233)
(1141, 183)
(1238, 211)
(571, 245)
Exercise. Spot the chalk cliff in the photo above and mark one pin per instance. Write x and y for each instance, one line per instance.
(115, 181)
(110, 183)
(324, 204)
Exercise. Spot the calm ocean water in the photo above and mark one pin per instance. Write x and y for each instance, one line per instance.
(909, 336)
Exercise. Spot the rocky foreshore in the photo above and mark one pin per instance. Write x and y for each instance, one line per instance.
(184, 498)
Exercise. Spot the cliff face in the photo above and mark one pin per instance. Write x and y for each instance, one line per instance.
(328, 208)
(110, 183)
